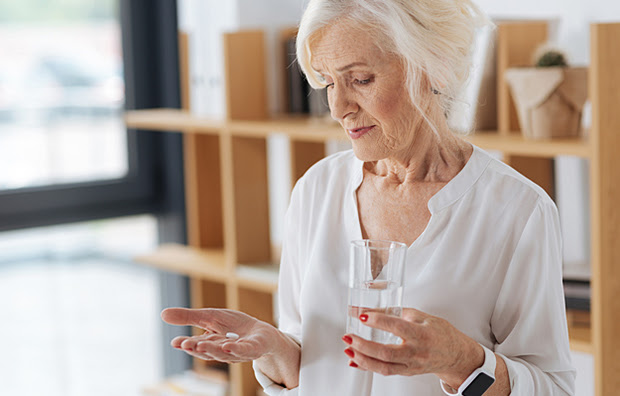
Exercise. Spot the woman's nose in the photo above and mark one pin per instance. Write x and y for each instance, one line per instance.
(341, 103)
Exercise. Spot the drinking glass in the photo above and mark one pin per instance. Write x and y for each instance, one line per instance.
(376, 273)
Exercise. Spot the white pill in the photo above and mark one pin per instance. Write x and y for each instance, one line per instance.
(232, 336)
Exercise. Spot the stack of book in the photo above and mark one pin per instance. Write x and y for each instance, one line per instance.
(302, 99)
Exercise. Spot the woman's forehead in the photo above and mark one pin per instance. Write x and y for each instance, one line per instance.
(341, 46)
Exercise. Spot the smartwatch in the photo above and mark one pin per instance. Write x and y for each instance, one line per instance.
(479, 381)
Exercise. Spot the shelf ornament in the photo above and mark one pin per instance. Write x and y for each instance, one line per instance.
(550, 96)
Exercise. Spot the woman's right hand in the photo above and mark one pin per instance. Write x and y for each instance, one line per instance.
(256, 338)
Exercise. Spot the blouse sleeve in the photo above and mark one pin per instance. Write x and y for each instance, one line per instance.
(529, 319)
(289, 286)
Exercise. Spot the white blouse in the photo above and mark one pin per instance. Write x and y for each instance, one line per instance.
(489, 262)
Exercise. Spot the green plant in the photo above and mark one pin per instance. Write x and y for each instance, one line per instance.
(550, 57)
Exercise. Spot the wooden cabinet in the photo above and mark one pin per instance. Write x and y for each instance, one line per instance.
(229, 258)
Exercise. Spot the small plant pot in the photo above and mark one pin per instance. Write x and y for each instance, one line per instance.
(549, 100)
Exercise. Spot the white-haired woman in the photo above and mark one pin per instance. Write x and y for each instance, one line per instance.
(485, 307)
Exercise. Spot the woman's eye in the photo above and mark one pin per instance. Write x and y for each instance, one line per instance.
(363, 82)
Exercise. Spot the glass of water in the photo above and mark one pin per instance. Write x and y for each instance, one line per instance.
(376, 273)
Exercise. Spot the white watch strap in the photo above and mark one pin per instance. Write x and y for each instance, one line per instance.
(488, 367)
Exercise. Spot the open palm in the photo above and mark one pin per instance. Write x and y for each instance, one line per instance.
(256, 338)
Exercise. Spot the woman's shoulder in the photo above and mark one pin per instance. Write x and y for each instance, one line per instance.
(500, 176)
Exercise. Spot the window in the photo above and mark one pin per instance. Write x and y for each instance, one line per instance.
(65, 154)
(61, 94)
(79, 317)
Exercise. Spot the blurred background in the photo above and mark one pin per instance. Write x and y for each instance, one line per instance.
(80, 195)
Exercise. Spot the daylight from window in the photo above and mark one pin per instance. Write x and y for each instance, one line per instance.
(61, 93)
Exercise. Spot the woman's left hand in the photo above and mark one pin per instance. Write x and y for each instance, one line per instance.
(430, 345)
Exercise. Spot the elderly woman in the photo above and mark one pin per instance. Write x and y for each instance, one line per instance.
(485, 308)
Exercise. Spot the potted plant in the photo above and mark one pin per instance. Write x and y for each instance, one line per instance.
(549, 96)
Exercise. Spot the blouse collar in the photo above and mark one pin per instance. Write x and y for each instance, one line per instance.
(453, 190)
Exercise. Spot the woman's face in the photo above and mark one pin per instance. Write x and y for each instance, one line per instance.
(366, 91)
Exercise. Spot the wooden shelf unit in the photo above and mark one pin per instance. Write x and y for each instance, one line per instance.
(227, 197)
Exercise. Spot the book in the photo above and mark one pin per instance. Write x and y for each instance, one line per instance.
(298, 87)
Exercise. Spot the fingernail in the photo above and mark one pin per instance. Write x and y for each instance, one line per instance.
(347, 339)
(363, 317)
(349, 353)
(352, 364)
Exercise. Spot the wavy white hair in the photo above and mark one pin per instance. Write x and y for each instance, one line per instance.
(434, 38)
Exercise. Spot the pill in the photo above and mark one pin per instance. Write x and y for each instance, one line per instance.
(232, 336)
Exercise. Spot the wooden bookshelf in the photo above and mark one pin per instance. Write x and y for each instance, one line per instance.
(305, 128)
(205, 264)
(229, 258)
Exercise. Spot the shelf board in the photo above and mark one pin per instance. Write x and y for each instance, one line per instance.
(579, 330)
(171, 120)
(299, 127)
(260, 277)
(516, 144)
(580, 339)
(200, 263)
(204, 382)
(312, 129)
(211, 264)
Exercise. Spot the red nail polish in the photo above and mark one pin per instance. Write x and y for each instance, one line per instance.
(363, 317)
(347, 339)
(352, 364)
(349, 353)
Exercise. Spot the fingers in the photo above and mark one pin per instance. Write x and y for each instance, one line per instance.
(402, 328)
(244, 349)
(186, 317)
(364, 362)
(217, 347)
(389, 353)
(413, 315)
(177, 341)
(208, 347)
(206, 318)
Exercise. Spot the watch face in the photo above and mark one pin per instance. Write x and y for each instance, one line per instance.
(479, 385)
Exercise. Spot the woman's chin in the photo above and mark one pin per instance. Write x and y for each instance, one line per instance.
(367, 153)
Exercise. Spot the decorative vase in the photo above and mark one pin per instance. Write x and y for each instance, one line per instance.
(549, 100)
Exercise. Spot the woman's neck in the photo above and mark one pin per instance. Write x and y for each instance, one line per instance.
(431, 157)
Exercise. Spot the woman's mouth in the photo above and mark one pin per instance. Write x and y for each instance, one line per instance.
(359, 132)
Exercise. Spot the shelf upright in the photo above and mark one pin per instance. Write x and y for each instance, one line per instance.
(604, 85)
(246, 194)
(516, 42)
(203, 201)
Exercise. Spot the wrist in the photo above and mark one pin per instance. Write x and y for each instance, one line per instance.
(479, 381)
(280, 347)
(277, 344)
(469, 359)
(281, 362)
